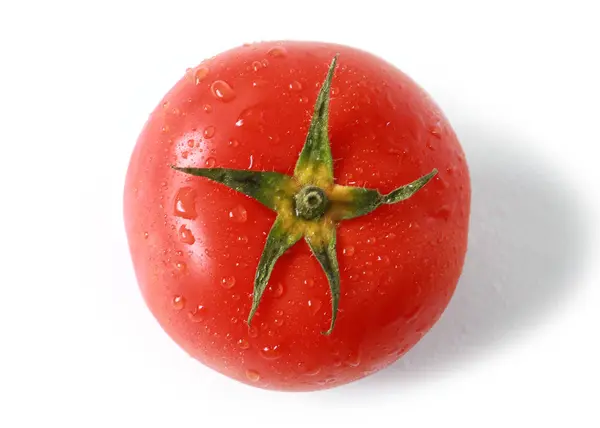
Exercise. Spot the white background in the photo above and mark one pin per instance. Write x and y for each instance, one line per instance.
(518, 345)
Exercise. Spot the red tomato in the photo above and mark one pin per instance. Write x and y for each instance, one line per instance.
(195, 244)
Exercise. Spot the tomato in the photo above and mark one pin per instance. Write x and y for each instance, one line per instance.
(196, 244)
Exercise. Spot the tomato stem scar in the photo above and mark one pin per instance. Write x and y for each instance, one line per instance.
(310, 202)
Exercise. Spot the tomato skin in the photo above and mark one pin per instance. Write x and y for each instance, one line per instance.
(195, 244)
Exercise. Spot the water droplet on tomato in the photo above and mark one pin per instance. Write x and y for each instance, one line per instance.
(178, 302)
(185, 154)
(191, 143)
(235, 297)
(271, 352)
(436, 130)
(295, 86)
(279, 320)
(198, 314)
(165, 129)
(207, 108)
(334, 91)
(276, 290)
(209, 132)
(353, 359)
(243, 344)
(308, 369)
(146, 235)
(252, 117)
(252, 375)
(314, 305)
(308, 282)
(371, 240)
(256, 65)
(348, 251)
(243, 239)
(277, 52)
(329, 380)
(238, 214)
(222, 91)
(234, 143)
(181, 266)
(385, 260)
(228, 282)
(185, 203)
(210, 162)
(252, 331)
(200, 74)
(185, 235)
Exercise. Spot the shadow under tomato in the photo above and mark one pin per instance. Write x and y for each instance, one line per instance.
(526, 249)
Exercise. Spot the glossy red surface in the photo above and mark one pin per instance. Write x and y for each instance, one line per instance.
(195, 244)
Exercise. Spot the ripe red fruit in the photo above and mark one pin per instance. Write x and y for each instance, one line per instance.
(198, 230)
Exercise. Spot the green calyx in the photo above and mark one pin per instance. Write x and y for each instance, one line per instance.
(308, 204)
